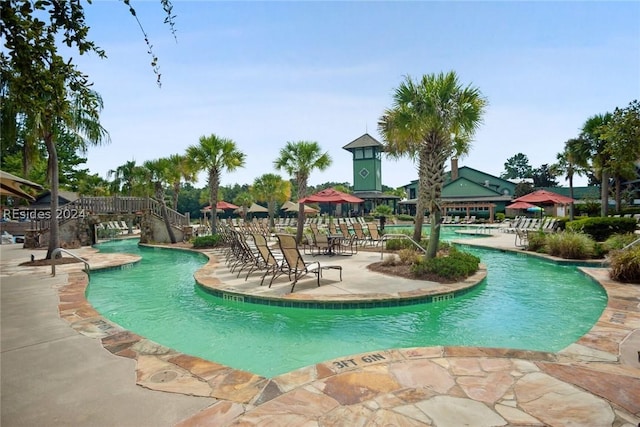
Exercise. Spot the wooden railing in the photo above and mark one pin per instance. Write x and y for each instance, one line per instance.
(115, 205)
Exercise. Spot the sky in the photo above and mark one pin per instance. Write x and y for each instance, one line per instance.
(263, 73)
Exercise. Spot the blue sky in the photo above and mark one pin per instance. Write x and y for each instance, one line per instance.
(264, 73)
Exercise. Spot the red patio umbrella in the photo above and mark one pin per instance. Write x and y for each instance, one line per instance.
(545, 196)
(225, 205)
(331, 195)
(220, 206)
(520, 205)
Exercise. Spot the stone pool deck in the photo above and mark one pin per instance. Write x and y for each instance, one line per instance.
(55, 370)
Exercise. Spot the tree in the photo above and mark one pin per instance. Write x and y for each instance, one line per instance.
(244, 200)
(622, 149)
(299, 159)
(431, 120)
(570, 162)
(214, 155)
(159, 174)
(593, 142)
(544, 176)
(124, 177)
(517, 167)
(180, 170)
(42, 84)
(272, 189)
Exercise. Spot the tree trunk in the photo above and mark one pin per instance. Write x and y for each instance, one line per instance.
(604, 194)
(214, 184)
(618, 195)
(52, 168)
(165, 213)
(571, 213)
(302, 192)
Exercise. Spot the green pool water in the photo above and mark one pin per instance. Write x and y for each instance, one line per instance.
(525, 303)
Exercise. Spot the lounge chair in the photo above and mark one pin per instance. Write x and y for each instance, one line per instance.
(271, 262)
(296, 265)
(374, 235)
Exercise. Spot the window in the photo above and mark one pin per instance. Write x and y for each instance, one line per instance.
(359, 153)
(368, 153)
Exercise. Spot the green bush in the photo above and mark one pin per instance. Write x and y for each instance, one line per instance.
(601, 228)
(397, 244)
(500, 216)
(455, 266)
(570, 245)
(619, 241)
(537, 241)
(405, 217)
(625, 265)
(208, 241)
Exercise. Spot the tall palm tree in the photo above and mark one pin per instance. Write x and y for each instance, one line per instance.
(82, 119)
(431, 120)
(124, 177)
(594, 143)
(271, 188)
(299, 159)
(159, 173)
(571, 162)
(181, 169)
(214, 155)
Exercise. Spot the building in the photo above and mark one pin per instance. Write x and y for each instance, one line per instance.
(367, 173)
(466, 192)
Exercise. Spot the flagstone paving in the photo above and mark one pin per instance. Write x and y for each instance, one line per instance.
(593, 382)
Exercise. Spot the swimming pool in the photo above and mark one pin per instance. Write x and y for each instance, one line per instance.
(525, 303)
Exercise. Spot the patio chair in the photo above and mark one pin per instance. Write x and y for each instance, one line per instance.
(359, 233)
(374, 235)
(296, 265)
(271, 262)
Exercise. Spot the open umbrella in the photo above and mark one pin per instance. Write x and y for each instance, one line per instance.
(307, 209)
(257, 208)
(545, 196)
(10, 185)
(288, 205)
(225, 205)
(331, 195)
(520, 205)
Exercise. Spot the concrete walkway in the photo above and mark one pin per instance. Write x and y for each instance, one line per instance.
(53, 375)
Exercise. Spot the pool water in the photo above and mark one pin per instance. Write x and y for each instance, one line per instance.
(525, 303)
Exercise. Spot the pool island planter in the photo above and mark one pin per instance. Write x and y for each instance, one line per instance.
(442, 292)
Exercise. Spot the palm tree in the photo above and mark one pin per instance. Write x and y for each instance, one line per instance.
(244, 200)
(215, 154)
(124, 177)
(594, 143)
(159, 173)
(299, 159)
(571, 162)
(180, 170)
(82, 118)
(431, 120)
(271, 188)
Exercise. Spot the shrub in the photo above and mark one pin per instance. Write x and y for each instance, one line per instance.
(409, 256)
(405, 217)
(537, 241)
(499, 217)
(601, 228)
(390, 260)
(625, 265)
(455, 266)
(211, 241)
(619, 241)
(570, 245)
(397, 244)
